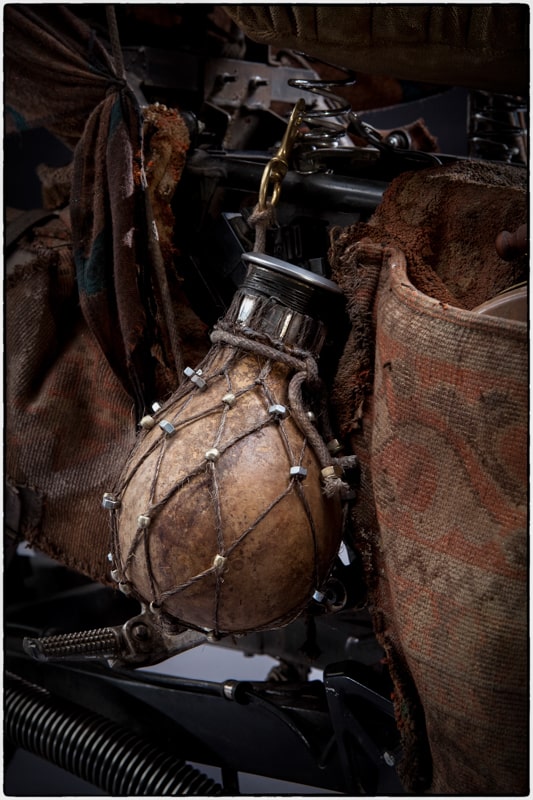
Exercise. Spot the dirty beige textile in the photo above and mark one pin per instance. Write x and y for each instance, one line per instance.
(484, 46)
(435, 400)
(68, 419)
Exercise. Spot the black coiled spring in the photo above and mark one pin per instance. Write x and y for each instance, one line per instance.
(94, 748)
(329, 124)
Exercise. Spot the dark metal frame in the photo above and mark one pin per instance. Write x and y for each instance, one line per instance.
(336, 735)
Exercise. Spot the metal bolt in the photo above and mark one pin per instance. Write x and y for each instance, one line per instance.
(219, 562)
(229, 399)
(278, 411)
(144, 520)
(110, 557)
(224, 77)
(298, 472)
(194, 375)
(110, 502)
(212, 454)
(255, 82)
(334, 447)
(140, 632)
(156, 407)
(318, 597)
(168, 427)
(398, 139)
(311, 416)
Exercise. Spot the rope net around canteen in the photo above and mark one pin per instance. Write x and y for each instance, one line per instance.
(230, 347)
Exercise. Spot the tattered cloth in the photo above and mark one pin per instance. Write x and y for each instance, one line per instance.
(434, 398)
(95, 323)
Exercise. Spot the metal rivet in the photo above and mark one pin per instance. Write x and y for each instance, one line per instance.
(110, 557)
(115, 576)
(212, 454)
(298, 472)
(334, 447)
(318, 597)
(110, 502)
(333, 471)
(311, 416)
(194, 376)
(144, 520)
(168, 427)
(147, 422)
(229, 399)
(278, 411)
(156, 407)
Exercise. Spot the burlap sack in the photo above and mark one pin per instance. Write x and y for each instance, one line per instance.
(439, 407)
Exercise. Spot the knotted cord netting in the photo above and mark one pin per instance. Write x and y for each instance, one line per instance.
(238, 344)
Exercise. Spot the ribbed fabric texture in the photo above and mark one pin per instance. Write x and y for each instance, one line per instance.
(435, 399)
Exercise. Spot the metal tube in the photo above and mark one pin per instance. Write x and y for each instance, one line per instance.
(329, 192)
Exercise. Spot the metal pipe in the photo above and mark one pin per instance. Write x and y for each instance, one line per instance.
(330, 192)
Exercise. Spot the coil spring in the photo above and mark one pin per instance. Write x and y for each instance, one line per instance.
(331, 133)
(94, 748)
(497, 127)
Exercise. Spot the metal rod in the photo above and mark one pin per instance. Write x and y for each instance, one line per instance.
(329, 192)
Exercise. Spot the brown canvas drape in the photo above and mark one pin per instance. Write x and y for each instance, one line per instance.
(94, 320)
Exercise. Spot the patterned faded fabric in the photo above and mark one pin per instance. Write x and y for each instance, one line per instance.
(95, 323)
(435, 400)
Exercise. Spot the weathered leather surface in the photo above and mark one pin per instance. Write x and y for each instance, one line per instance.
(483, 46)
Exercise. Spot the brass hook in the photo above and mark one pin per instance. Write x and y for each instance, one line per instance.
(278, 166)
